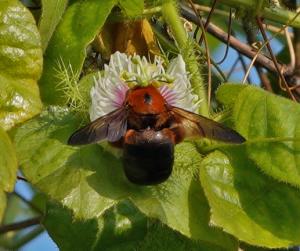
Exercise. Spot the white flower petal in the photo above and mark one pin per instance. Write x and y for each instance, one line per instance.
(109, 91)
(183, 96)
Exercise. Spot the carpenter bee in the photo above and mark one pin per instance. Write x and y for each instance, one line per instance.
(147, 128)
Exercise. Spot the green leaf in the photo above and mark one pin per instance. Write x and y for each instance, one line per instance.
(80, 24)
(227, 94)
(8, 163)
(8, 168)
(91, 175)
(2, 204)
(160, 237)
(20, 64)
(180, 202)
(246, 247)
(65, 173)
(52, 11)
(248, 204)
(261, 115)
(133, 8)
(122, 227)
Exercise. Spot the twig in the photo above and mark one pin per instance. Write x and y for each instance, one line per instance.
(244, 65)
(20, 225)
(279, 71)
(291, 47)
(269, 27)
(228, 38)
(218, 69)
(252, 39)
(296, 73)
(251, 65)
(264, 79)
(207, 20)
(276, 14)
(234, 43)
(16, 244)
(204, 8)
(22, 178)
(232, 67)
(207, 54)
(34, 7)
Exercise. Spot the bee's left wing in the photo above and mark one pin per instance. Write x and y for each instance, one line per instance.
(197, 125)
(111, 126)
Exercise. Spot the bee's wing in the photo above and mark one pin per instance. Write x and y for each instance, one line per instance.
(111, 127)
(197, 125)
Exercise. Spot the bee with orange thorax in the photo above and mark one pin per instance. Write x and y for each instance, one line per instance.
(147, 128)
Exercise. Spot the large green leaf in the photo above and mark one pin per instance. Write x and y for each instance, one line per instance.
(79, 25)
(119, 226)
(91, 175)
(261, 115)
(122, 227)
(52, 11)
(180, 202)
(2, 203)
(248, 204)
(8, 163)
(133, 8)
(64, 173)
(246, 247)
(20, 64)
(8, 168)
(227, 94)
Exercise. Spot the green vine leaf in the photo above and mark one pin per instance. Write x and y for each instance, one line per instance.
(246, 247)
(133, 8)
(2, 203)
(259, 115)
(122, 227)
(64, 173)
(8, 162)
(248, 204)
(20, 64)
(81, 22)
(8, 168)
(227, 94)
(91, 175)
(180, 202)
(52, 11)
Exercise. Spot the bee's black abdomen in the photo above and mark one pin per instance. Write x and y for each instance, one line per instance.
(149, 161)
(148, 164)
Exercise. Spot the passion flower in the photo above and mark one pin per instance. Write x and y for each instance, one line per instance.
(124, 72)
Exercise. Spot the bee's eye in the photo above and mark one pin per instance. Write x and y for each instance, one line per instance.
(147, 98)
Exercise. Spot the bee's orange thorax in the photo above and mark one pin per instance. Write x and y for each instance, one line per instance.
(146, 100)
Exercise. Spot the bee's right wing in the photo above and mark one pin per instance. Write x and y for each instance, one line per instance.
(111, 126)
(197, 125)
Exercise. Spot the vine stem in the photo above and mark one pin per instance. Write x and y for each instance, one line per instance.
(20, 225)
(21, 178)
(172, 18)
(272, 13)
(22, 240)
(267, 42)
(248, 142)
